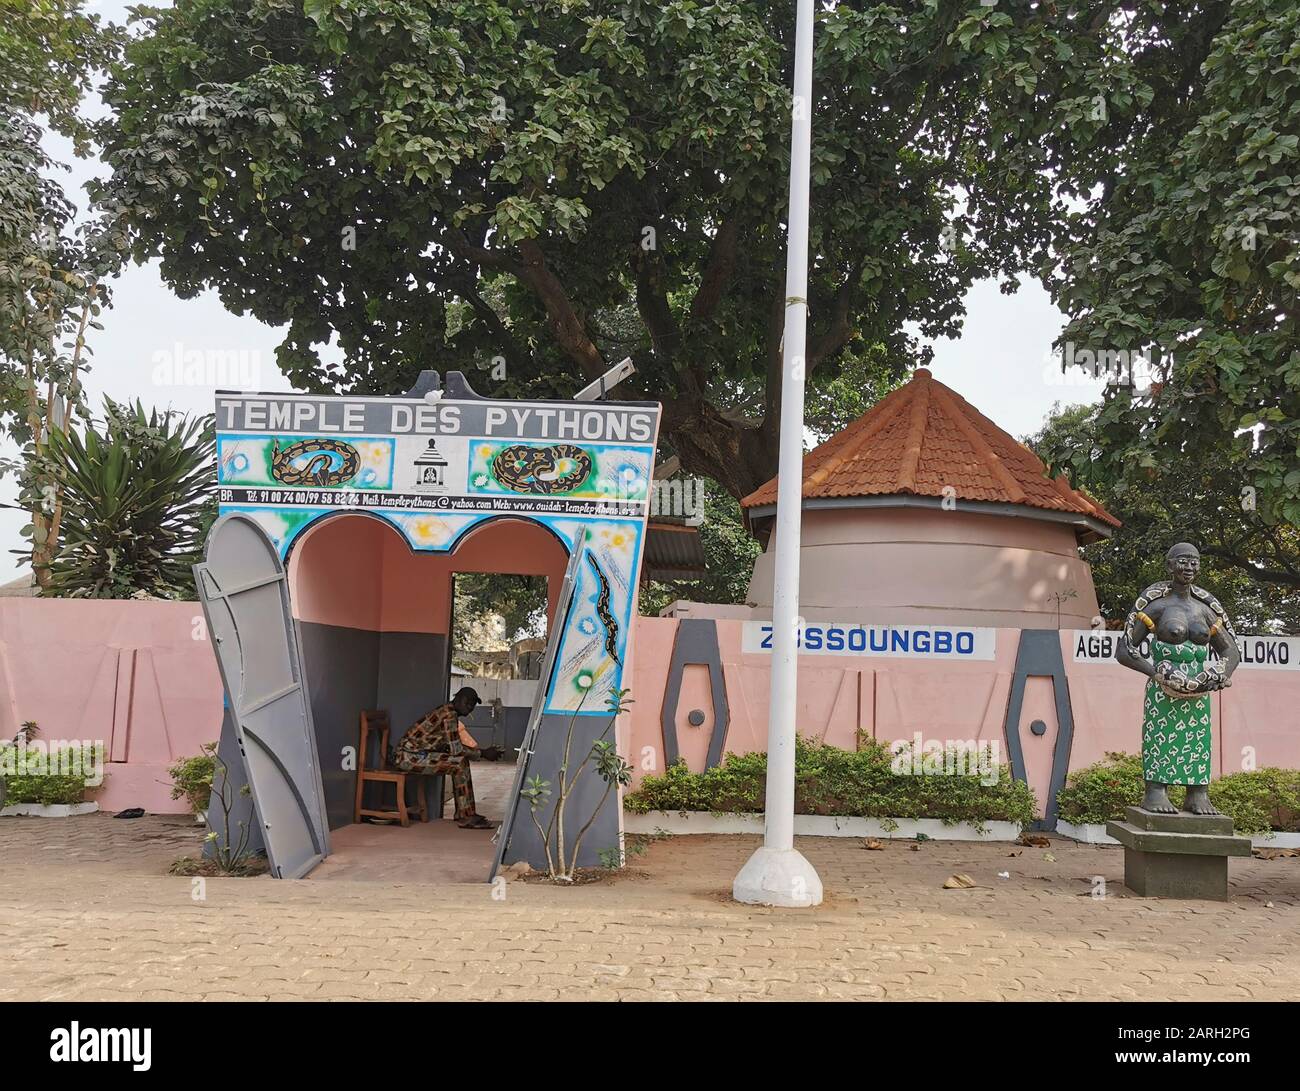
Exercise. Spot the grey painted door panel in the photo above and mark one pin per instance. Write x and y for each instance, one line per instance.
(535, 718)
(244, 591)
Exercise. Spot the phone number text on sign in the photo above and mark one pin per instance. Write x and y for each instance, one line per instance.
(891, 641)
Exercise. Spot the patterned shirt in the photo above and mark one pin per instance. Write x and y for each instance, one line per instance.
(435, 732)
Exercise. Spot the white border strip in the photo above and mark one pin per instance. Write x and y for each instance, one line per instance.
(816, 825)
(47, 810)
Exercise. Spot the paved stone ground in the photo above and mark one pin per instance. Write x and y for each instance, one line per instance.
(87, 912)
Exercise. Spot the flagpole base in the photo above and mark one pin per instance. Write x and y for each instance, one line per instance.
(780, 877)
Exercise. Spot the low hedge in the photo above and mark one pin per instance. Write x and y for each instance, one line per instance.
(831, 781)
(32, 781)
(1259, 801)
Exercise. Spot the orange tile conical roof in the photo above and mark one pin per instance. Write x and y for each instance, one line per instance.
(922, 438)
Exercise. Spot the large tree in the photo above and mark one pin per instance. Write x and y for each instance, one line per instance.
(1248, 563)
(1182, 281)
(51, 268)
(540, 187)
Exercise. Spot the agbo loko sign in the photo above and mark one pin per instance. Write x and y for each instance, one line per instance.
(888, 641)
(1261, 652)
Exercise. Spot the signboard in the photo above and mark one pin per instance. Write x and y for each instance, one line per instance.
(438, 465)
(409, 454)
(884, 641)
(1257, 652)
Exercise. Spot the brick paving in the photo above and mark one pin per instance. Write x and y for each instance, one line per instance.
(87, 911)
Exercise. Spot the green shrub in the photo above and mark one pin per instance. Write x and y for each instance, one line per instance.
(192, 778)
(830, 781)
(1261, 800)
(1102, 791)
(1257, 802)
(57, 777)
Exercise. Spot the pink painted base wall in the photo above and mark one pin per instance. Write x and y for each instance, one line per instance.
(889, 699)
(140, 677)
(358, 572)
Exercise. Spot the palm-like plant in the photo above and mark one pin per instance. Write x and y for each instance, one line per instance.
(137, 500)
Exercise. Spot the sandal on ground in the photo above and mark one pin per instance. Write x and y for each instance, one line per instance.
(478, 822)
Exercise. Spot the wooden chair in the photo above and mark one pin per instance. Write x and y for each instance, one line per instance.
(377, 721)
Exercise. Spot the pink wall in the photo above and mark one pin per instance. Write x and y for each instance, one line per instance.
(926, 566)
(141, 677)
(357, 571)
(890, 699)
(138, 676)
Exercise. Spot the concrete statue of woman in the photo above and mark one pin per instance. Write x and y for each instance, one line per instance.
(1184, 623)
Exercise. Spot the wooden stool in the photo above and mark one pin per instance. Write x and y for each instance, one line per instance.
(377, 721)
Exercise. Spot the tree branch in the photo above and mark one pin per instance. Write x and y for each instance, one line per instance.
(652, 305)
(458, 244)
(840, 327)
(566, 324)
(772, 384)
(517, 353)
(717, 274)
(1279, 576)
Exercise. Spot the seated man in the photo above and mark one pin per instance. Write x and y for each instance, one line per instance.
(434, 744)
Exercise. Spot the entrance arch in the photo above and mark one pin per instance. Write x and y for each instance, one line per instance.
(374, 616)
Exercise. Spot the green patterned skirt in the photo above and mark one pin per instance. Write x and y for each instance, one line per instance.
(1176, 730)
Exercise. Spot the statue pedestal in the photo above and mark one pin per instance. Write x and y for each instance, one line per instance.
(1177, 855)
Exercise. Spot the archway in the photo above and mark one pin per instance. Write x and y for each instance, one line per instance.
(460, 478)
(374, 619)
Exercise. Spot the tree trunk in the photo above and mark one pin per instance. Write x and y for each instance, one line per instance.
(739, 455)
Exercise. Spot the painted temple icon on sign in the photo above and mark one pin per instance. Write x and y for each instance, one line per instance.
(430, 469)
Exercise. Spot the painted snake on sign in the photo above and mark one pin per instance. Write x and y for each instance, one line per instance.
(317, 470)
(602, 610)
(521, 468)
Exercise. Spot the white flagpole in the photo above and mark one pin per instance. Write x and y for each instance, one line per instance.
(777, 874)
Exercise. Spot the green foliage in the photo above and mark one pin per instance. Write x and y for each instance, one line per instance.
(519, 601)
(1260, 800)
(634, 845)
(135, 499)
(561, 184)
(1195, 499)
(865, 376)
(49, 51)
(1100, 792)
(52, 270)
(831, 781)
(48, 789)
(225, 849)
(59, 776)
(1187, 243)
(562, 851)
(1257, 801)
(192, 778)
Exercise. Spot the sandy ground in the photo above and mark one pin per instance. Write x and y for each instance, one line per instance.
(88, 911)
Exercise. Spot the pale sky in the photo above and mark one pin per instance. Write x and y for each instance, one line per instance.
(1000, 364)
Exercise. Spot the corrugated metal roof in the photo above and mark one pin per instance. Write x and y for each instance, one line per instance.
(673, 551)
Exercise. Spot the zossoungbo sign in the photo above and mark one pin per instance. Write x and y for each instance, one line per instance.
(886, 641)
